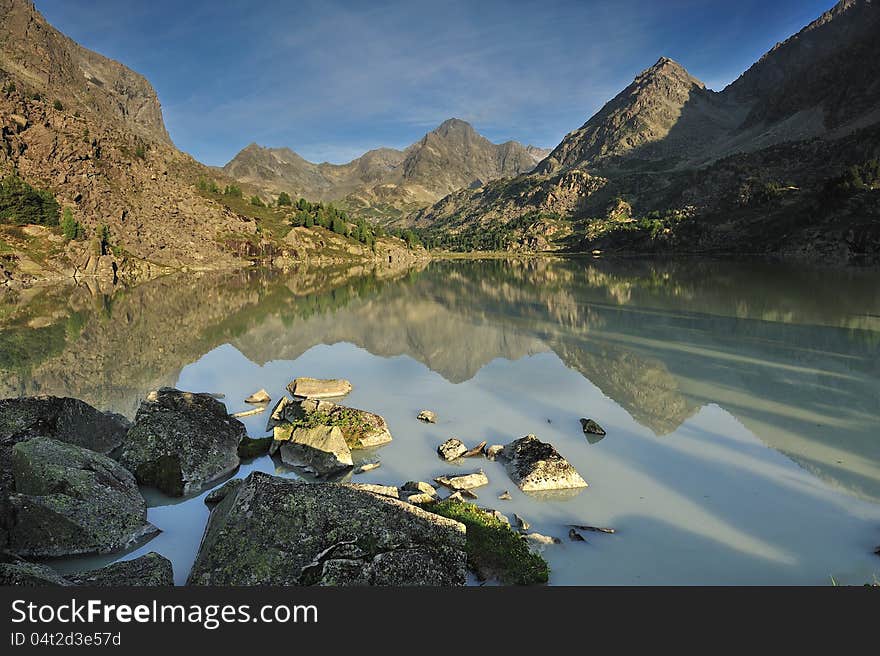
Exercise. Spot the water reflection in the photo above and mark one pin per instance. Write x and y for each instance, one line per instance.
(694, 367)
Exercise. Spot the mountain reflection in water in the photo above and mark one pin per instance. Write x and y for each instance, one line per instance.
(694, 367)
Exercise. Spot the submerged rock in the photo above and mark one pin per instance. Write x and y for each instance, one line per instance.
(217, 495)
(367, 466)
(275, 531)
(574, 536)
(321, 449)
(149, 570)
(181, 442)
(259, 397)
(317, 388)
(539, 539)
(505, 496)
(452, 449)
(427, 416)
(535, 466)
(459, 482)
(69, 500)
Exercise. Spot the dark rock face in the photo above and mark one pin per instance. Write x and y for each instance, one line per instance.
(18, 572)
(68, 420)
(69, 500)
(149, 570)
(536, 466)
(274, 531)
(180, 441)
(64, 419)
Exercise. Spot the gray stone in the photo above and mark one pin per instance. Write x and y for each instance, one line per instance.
(259, 397)
(317, 388)
(70, 500)
(418, 486)
(459, 482)
(590, 427)
(149, 570)
(361, 429)
(384, 490)
(182, 442)
(536, 466)
(452, 449)
(321, 449)
(427, 416)
(493, 451)
(505, 496)
(275, 531)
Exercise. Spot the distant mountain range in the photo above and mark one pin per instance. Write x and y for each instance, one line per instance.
(451, 157)
(764, 165)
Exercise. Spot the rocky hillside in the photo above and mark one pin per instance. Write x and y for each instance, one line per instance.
(88, 132)
(669, 164)
(448, 158)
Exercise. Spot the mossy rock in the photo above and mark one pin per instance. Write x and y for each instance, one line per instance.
(69, 500)
(275, 531)
(149, 570)
(181, 442)
(494, 549)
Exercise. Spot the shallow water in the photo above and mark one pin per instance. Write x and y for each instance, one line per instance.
(741, 401)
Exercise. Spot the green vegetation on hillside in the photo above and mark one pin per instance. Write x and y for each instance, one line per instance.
(22, 204)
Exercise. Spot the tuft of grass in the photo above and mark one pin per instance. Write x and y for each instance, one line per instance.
(493, 548)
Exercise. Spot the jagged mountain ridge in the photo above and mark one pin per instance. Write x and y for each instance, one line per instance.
(769, 143)
(449, 157)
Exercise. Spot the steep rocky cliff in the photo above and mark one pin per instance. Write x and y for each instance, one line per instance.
(781, 161)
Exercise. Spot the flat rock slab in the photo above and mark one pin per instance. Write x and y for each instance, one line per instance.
(149, 570)
(17, 572)
(181, 442)
(537, 466)
(69, 500)
(318, 388)
(321, 449)
(459, 482)
(275, 531)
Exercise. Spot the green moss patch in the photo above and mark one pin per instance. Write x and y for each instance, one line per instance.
(493, 548)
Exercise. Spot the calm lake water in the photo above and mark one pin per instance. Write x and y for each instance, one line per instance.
(741, 401)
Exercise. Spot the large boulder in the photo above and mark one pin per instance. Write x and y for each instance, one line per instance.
(64, 419)
(320, 449)
(276, 531)
(181, 442)
(69, 500)
(361, 429)
(18, 572)
(149, 570)
(537, 466)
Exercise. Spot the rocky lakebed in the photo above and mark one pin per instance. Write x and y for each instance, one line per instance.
(71, 480)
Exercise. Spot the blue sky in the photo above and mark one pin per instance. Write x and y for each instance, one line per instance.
(332, 79)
